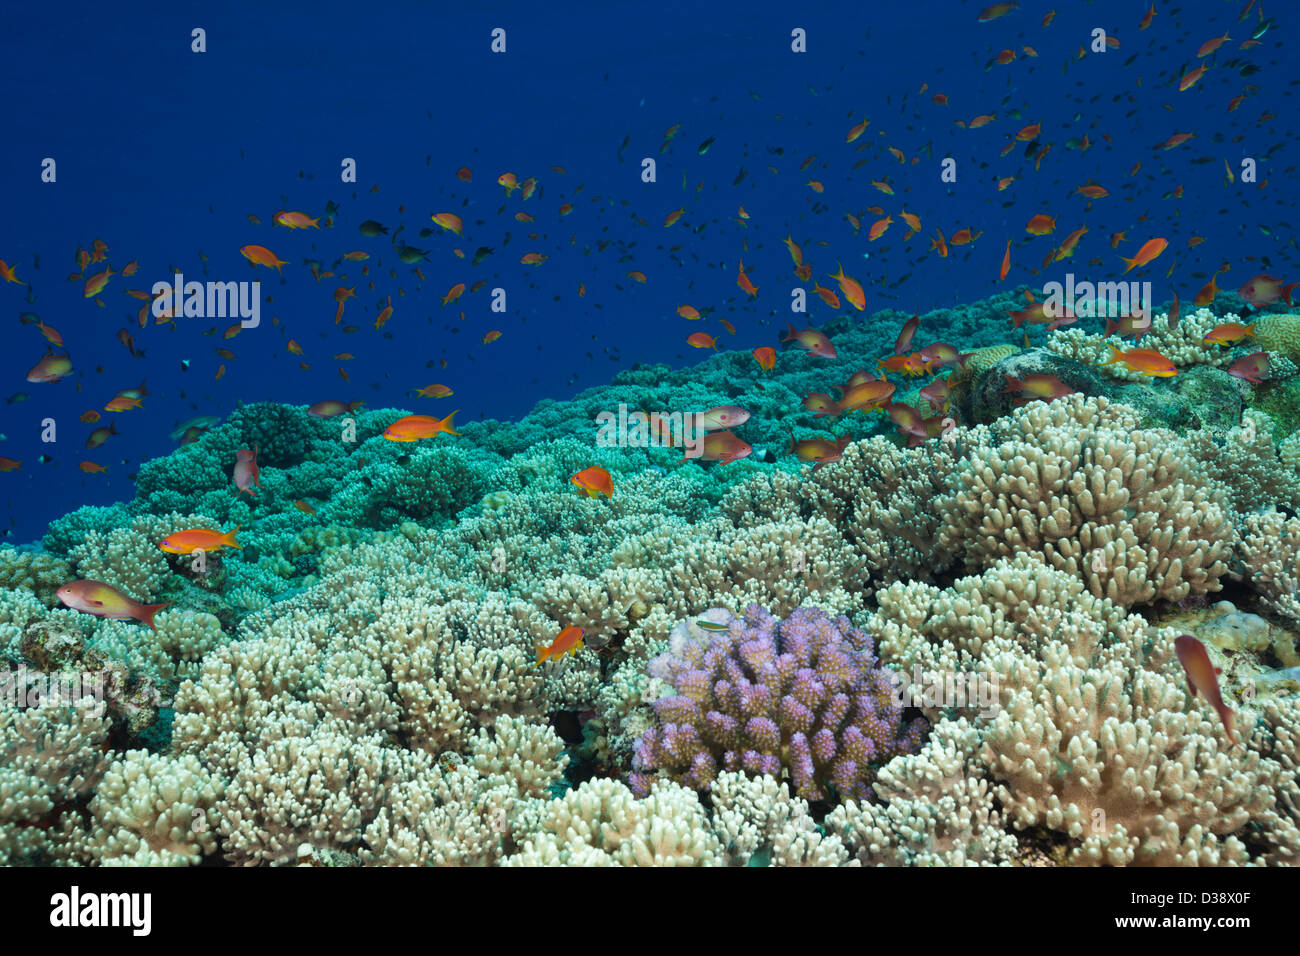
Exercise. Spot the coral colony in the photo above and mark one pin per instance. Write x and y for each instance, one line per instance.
(1007, 583)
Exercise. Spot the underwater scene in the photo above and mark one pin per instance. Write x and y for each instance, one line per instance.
(600, 434)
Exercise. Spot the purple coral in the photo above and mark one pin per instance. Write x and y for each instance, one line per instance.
(807, 694)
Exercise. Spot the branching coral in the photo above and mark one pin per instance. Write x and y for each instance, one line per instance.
(803, 697)
(1078, 482)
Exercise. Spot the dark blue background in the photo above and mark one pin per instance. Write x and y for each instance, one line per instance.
(163, 153)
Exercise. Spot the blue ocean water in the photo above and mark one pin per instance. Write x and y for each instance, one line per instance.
(163, 153)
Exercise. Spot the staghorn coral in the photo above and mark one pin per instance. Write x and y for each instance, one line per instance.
(51, 756)
(938, 810)
(152, 810)
(803, 697)
(601, 823)
(1078, 482)
(1183, 346)
(42, 574)
(1270, 551)
(123, 558)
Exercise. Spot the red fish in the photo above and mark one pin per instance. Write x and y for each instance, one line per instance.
(904, 340)
(246, 471)
(1250, 368)
(765, 356)
(1264, 289)
(1047, 388)
(724, 447)
(812, 340)
(1203, 677)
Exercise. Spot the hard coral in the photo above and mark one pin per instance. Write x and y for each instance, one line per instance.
(805, 697)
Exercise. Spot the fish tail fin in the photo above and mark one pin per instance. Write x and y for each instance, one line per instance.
(1115, 355)
(1016, 321)
(446, 423)
(1286, 292)
(1250, 329)
(1131, 263)
(792, 334)
(145, 613)
(1227, 719)
(1112, 326)
(228, 539)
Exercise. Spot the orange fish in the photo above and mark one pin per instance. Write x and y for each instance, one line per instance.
(595, 481)
(1207, 293)
(1147, 361)
(50, 368)
(1191, 78)
(857, 131)
(415, 427)
(702, 340)
(295, 220)
(304, 507)
(123, 403)
(1006, 263)
(294, 347)
(1041, 225)
(829, 297)
(95, 284)
(1202, 678)
(1149, 251)
(90, 468)
(851, 288)
(568, 641)
(723, 447)
(332, 407)
(963, 237)
(532, 259)
(939, 244)
(877, 230)
(9, 273)
(820, 450)
(811, 339)
(104, 600)
(199, 539)
(1047, 388)
(673, 216)
(448, 220)
(765, 356)
(90, 416)
(746, 286)
(9, 464)
(434, 391)
(385, 314)
(491, 336)
(637, 277)
(262, 256)
(453, 293)
(1029, 132)
(997, 11)
(1228, 332)
(688, 312)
